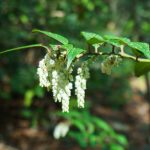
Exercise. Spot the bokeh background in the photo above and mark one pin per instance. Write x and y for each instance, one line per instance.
(28, 114)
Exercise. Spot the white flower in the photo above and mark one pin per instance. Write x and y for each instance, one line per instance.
(43, 74)
(49, 61)
(65, 103)
(61, 88)
(79, 70)
(52, 62)
(44, 71)
(61, 130)
(62, 91)
(80, 84)
(52, 74)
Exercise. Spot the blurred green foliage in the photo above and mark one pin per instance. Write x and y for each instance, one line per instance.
(90, 131)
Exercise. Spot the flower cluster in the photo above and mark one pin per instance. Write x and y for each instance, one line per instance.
(43, 74)
(80, 84)
(109, 63)
(61, 87)
(53, 75)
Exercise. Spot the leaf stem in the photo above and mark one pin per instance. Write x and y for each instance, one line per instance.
(25, 47)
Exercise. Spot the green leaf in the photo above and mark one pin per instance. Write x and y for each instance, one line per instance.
(39, 92)
(116, 41)
(21, 48)
(102, 124)
(137, 53)
(93, 140)
(80, 137)
(78, 124)
(92, 38)
(113, 42)
(71, 55)
(121, 139)
(90, 127)
(141, 47)
(86, 57)
(28, 98)
(67, 46)
(72, 114)
(27, 113)
(141, 68)
(55, 36)
(114, 146)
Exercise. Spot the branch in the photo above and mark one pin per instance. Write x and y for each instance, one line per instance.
(125, 55)
(121, 54)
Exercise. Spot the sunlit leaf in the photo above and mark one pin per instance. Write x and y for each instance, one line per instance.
(67, 46)
(55, 36)
(113, 42)
(116, 41)
(92, 38)
(141, 47)
(71, 55)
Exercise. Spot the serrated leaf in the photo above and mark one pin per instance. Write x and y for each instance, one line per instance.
(141, 68)
(21, 48)
(92, 38)
(55, 36)
(71, 55)
(141, 47)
